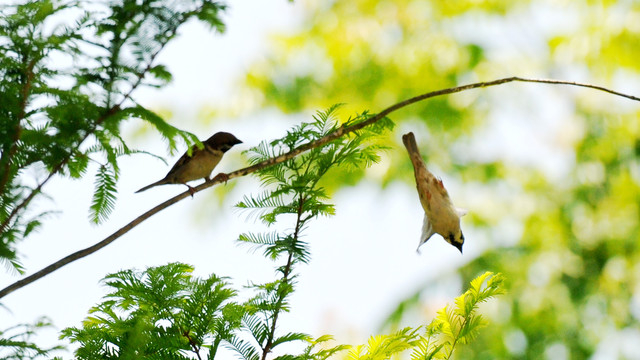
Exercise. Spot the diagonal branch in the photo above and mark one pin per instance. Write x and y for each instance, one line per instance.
(343, 130)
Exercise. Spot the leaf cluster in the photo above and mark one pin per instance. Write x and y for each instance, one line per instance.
(295, 186)
(166, 313)
(385, 346)
(161, 313)
(68, 75)
(294, 189)
(453, 325)
(458, 324)
(16, 344)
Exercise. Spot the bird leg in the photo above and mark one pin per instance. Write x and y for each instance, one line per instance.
(221, 177)
(191, 190)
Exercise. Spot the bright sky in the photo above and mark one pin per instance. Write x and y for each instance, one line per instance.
(362, 264)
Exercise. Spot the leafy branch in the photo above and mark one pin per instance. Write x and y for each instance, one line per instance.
(113, 47)
(452, 326)
(293, 188)
(163, 312)
(15, 342)
(459, 325)
(279, 158)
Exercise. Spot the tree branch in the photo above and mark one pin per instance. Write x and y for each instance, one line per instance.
(111, 111)
(285, 282)
(5, 160)
(53, 172)
(282, 158)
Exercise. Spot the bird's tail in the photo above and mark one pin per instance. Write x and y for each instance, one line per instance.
(159, 182)
(409, 141)
(419, 167)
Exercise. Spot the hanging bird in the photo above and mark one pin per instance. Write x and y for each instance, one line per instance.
(201, 162)
(440, 216)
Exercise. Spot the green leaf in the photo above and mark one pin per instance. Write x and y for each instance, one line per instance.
(385, 346)
(260, 239)
(245, 349)
(161, 73)
(104, 196)
(165, 129)
(210, 14)
(77, 165)
(16, 342)
(289, 337)
(32, 226)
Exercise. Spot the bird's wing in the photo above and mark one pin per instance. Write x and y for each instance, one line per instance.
(183, 160)
(427, 231)
(440, 187)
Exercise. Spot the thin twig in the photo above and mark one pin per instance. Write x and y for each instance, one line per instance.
(285, 282)
(282, 158)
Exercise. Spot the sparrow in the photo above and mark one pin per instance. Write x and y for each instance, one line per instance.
(201, 162)
(440, 216)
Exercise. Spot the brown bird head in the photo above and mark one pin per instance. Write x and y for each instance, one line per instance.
(222, 141)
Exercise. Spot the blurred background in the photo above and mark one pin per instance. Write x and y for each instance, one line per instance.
(550, 174)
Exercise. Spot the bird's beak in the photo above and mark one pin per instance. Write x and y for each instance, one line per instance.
(457, 245)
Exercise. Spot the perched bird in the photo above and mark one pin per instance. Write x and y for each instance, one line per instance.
(201, 162)
(440, 216)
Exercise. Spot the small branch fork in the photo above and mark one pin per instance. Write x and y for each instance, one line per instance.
(282, 158)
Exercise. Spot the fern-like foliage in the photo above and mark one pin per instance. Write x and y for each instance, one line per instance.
(300, 177)
(317, 349)
(63, 117)
(16, 343)
(161, 313)
(104, 197)
(385, 346)
(438, 340)
(166, 313)
(294, 191)
(458, 324)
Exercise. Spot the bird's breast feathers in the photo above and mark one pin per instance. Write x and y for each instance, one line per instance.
(198, 166)
(203, 162)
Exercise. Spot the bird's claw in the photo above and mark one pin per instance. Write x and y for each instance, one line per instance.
(222, 177)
